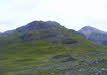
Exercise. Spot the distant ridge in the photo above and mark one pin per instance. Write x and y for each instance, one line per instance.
(94, 34)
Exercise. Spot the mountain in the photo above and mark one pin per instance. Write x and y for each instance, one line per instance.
(48, 48)
(94, 35)
(50, 31)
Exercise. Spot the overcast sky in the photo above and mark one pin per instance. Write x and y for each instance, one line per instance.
(72, 14)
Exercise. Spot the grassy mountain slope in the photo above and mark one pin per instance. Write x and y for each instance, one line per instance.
(47, 48)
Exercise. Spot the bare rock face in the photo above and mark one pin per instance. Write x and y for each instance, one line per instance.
(94, 35)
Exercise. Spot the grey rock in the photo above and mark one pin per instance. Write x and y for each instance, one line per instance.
(94, 35)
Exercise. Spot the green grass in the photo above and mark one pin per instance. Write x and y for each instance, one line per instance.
(18, 58)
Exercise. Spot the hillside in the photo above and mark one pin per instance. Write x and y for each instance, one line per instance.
(47, 48)
(39, 30)
(94, 35)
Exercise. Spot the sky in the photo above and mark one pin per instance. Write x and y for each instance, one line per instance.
(73, 14)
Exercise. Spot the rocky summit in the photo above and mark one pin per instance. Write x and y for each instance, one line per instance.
(94, 35)
(50, 31)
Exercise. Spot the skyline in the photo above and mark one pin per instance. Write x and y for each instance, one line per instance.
(54, 21)
(73, 14)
